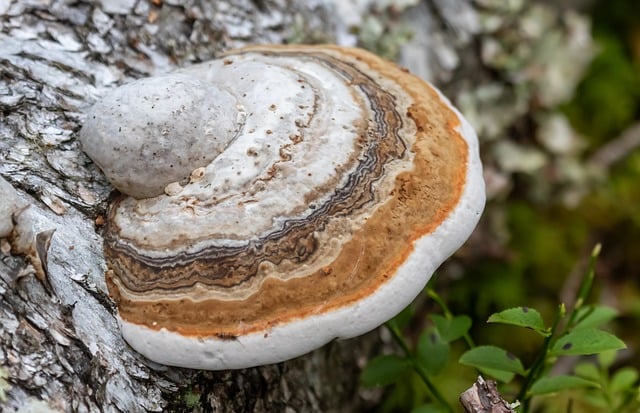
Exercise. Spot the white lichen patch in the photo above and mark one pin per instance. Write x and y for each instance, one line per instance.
(10, 203)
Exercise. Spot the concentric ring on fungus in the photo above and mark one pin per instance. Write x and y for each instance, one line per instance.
(328, 184)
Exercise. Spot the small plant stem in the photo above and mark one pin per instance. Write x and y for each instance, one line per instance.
(397, 336)
(435, 297)
(432, 388)
(585, 286)
(539, 362)
(447, 313)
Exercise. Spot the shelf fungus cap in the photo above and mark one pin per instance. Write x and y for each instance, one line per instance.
(335, 185)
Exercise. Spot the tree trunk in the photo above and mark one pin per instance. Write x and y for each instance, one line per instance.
(60, 346)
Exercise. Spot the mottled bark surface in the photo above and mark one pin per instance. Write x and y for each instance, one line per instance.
(60, 346)
(59, 341)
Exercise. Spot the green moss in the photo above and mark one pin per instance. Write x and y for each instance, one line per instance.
(191, 399)
(187, 399)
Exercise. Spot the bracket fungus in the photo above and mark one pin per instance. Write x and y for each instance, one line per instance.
(276, 199)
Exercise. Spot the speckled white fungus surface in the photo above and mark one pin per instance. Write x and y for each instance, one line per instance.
(318, 189)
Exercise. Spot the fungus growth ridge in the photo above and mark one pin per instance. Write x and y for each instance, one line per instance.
(275, 199)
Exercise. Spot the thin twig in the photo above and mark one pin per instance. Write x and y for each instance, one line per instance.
(617, 149)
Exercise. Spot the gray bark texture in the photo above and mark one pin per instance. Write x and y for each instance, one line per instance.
(60, 347)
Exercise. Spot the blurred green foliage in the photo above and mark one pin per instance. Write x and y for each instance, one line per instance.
(548, 242)
(607, 101)
(608, 98)
(572, 333)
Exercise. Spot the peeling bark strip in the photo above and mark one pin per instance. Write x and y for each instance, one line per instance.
(483, 397)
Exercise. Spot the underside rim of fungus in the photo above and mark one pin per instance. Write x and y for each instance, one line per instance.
(390, 221)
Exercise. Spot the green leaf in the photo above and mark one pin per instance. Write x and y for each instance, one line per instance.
(594, 316)
(452, 329)
(587, 341)
(598, 399)
(587, 371)
(624, 379)
(555, 384)
(494, 358)
(499, 375)
(384, 370)
(607, 358)
(523, 317)
(433, 351)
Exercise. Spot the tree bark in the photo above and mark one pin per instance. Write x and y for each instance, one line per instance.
(60, 346)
